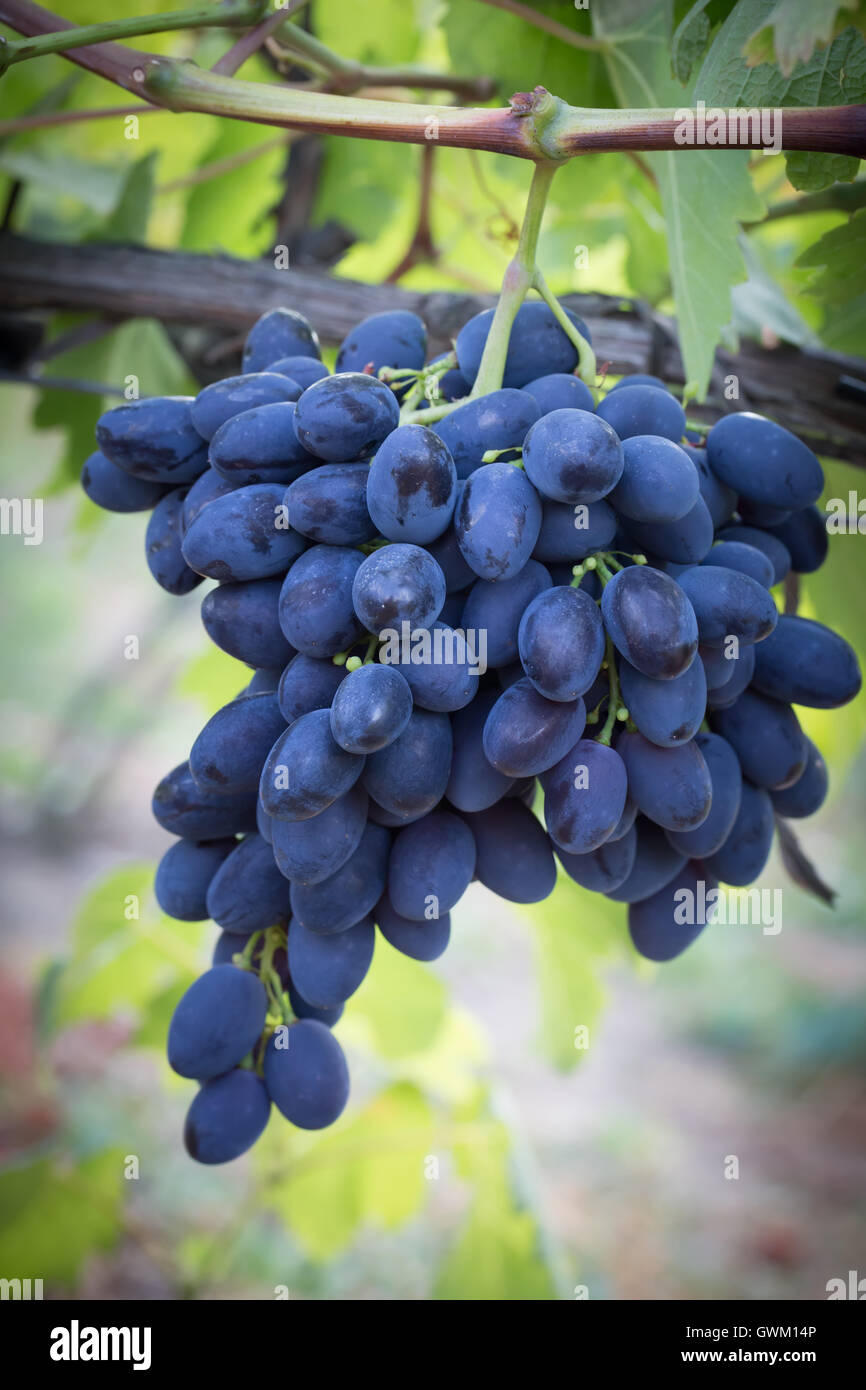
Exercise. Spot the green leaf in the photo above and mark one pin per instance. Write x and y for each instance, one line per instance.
(370, 1169)
(574, 934)
(840, 260)
(101, 914)
(761, 303)
(705, 258)
(97, 186)
(129, 218)
(213, 678)
(792, 30)
(233, 211)
(689, 40)
(392, 41)
(52, 1216)
(403, 1002)
(497, 1256)
(834, 77)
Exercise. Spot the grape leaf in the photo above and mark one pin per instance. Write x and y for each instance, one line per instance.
(53, 1216)
(839, 257)
(689, 40)
(792, 31)
(705, 258)
(834, 77)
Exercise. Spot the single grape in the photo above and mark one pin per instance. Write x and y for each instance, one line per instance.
(727, 603)
(685, 541)
(309, 851)
(805, 796)
(395, 338)
(665, 712)
(735, 555)
(278, 333)
(660, 926)
(650, 621)
(244, 620)
(764, 462)
(497, 608)
(344, 418)
(655, 864)
(184, 873)
(303, 370)
(326, 970)
(181, 807)
(306, 769)
(536, 344)
(573, 456)
(560, 391)
(216, 1022)
(804, 536)
(260, 446)
(340, 901)
(248, 893)
(569, 533)
(412, 486)
(525, 733)
(424, 941)
(727, 784)
(226, 1117)
(746, 850)
(514, 858)
(308, 683)
(638, 379)
(766, 737)
(163, 545)
(774, 549)
(230, 751)
(605, 868)
(305, 1074)
(116, 491)
(659, 481)
(497, 421)
(329, 504)
(206, 489)
(671, 786)
(223, 400)
(370, 709)
(584, 796)
(431, 866)
(805, 663)
(409, 777)
(474, 783)
(561, 643)
(398, 584)
(440, 668)
(153, 439)
(497, 521)
(316, 611)
(644, 410)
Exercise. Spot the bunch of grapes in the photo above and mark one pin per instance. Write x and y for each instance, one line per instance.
(444, 608)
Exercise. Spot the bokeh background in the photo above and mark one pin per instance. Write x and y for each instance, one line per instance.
(484, 1155)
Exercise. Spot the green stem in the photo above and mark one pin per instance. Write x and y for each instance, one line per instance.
(517, 281)
(348, 75)
(586, 363)
(613, 683)
(229, 13)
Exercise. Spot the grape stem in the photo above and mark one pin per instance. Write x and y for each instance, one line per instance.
(613, 704)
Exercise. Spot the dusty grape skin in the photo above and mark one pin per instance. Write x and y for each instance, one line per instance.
(644, 410)
(536, 344)
(764, 462)
(329, 504)
(409, 777)
(260, 446)
(278, 333)
(655, 863)
(226, 1117)
(737, 555)
(432, 862)
(184, 874)
(745, 852)
(666, 712)
(727, 604)
(561, 643)
(766, 736)
(412, 486)
(243, 620)
(497, 521)
(650, 621)
(229, 753)
(654, 923)
(423, 941)
(581, 818)
(344, 418)
(525, 734)
(327, 970)
(806, 663)
(309, 851)
(153, 439)
(573, 456)
(398, 584)
(316, 612)
(181, 807)
(727, 783)
(514, 858)
(115, 490)
(804, 536)
(223, 400)
(499, 420)
(564, 538)
(307, 1078)
(808, 794)
(318, 771)
(340, 901)
(498, 607)
(370, 708)
(163, 545)
(602, 870)
(248, 893)
(216, 1022)
(671, 786)
(395, 338)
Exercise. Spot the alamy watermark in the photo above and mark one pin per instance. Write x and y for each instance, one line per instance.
(747, 126)
(754, 907)
(439, 646)
(22, 516)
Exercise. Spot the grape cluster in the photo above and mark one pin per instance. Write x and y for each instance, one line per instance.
(439, 615)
